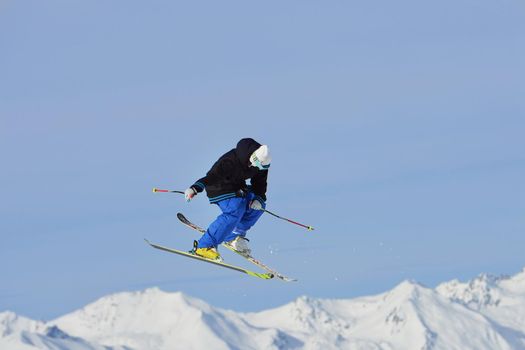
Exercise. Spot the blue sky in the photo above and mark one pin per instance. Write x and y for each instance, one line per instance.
(396, 130)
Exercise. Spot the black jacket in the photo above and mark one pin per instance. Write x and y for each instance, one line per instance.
(227, 177)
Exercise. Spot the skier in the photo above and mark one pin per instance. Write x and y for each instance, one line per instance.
(241, 205)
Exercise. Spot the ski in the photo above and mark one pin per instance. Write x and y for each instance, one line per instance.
(264, 276)
(251, 259)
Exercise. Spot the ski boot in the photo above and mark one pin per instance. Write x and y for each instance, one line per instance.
(240, 244)
(209, 253)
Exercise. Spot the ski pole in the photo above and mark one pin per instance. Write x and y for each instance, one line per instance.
(310, 228)
(155, 190)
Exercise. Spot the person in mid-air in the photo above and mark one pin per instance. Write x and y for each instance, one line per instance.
(241, 204)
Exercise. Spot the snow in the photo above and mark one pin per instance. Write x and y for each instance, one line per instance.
(487, 312)
(153, 319)
(20, 333)
(500, 299)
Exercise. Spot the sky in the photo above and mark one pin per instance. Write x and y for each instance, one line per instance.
(396, 130)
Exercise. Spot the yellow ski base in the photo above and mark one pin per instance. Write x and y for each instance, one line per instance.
(264, 276)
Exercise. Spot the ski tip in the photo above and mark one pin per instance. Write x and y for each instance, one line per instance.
(266, 276)
(154, 189)
(286, 279)
(310, 228)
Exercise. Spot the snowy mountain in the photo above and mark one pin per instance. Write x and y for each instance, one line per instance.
(154, 319)
(500, 299)
(19, 333)
(485, 313)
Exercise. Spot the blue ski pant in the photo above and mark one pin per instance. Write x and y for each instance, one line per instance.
(236, 219)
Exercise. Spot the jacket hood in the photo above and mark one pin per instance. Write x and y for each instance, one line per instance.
(245, 148)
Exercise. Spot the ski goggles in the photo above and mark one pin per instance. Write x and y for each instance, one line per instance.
(257, 163)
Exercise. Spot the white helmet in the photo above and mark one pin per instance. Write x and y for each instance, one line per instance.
(261, 158)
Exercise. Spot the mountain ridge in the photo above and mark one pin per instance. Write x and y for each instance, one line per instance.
(487, 312)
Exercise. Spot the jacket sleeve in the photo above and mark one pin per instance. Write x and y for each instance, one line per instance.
(259, 185)
(218, 171)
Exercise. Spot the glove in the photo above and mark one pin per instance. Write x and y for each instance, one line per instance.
(256, 205)
(189, 194)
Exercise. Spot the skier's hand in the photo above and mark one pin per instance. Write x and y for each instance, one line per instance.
(256, 205)
(189, 194)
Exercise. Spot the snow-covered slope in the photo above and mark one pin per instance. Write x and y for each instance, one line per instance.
(154, 319)
(408, 317)
(500, 299)
(485, 313)
(20, 333)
